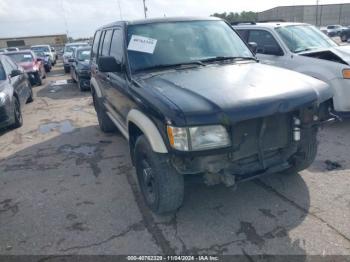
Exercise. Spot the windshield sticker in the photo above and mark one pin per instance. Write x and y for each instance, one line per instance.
(142, 44)
(27, 56)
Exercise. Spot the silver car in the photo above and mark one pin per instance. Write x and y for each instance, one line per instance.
(305, 49)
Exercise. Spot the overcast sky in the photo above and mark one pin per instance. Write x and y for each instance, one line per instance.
(81, 17)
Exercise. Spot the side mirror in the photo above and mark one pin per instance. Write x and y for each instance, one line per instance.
(109, 64)
(253, 47)
(71, 60)
(15, 72)
(272, 50)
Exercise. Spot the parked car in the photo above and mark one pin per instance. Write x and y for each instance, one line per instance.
(32, 65)
(47, 50)
(305, 49)
(54, 53)
(80, 67)
(68, 52)
(345, 34)
(191, 98)
(15, 91)
(46, 59)
(8, 49)
(334, 30)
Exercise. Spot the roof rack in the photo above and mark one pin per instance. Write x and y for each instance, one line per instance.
(243, 23)
(272, 21)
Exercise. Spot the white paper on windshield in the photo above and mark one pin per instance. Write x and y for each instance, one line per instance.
(142, 44)
(27, 56)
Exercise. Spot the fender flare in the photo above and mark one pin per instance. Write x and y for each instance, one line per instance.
(149, 129)
(95, 86)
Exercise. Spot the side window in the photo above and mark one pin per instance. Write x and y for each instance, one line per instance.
(267, 44)
(106, 43)
(2, 72)
(12, 64)
(95, 45)
(101, 42)
(117, 45)
(244, 34)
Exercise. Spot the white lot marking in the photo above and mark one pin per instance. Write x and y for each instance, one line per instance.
(59, 82)
(142, 44)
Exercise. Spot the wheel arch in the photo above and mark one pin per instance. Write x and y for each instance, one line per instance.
(138, 124)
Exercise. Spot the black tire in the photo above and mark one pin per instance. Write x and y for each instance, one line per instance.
(18, 119)
(66, 70)
(161, 185)
(344, 38)
(80, 84)
(31, 96)
(105, 123)
(306, 153)
(38, 79)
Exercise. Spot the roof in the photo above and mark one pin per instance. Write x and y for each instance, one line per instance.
(160, 20)
(77, 43)
(39, 45)
(269, 24)
(19, 52)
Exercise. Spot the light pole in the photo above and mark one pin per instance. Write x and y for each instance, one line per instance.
(145, 8)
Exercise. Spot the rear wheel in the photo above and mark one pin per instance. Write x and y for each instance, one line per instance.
(66, 69)
(306, 153)
(18, 120)
(161, 185)
(38, 79)
(30, 98)
(105, 123)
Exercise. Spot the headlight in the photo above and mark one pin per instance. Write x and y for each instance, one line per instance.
(346, 73)
(198, 138)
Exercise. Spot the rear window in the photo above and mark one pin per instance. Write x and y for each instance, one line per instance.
(41, 48)
(21, 57)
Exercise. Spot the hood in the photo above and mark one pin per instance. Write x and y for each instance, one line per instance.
(237, 92)
(339, 54)
(67, 54)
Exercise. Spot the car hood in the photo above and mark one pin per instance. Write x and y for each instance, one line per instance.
(342, 54)
(237, 92)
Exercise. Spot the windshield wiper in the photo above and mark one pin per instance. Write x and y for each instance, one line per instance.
(304, 50)
(225, 58)
(176, 66)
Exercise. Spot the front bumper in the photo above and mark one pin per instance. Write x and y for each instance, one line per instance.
(341, 99)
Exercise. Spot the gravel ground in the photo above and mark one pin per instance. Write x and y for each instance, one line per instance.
(67, 188)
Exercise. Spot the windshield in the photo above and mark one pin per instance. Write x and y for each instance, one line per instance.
(39, 53)
(21, 57)
(83, 55)
(41, 48)
(300, 38)
(171, 43)
(70, 48)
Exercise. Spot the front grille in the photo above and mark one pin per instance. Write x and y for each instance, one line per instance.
(257, 137)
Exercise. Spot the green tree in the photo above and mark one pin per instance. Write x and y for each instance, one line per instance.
(237, 17)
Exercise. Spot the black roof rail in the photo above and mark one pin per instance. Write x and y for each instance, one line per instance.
(272, 21)
(243, 23)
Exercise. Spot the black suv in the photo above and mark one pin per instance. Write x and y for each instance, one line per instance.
(191, 98)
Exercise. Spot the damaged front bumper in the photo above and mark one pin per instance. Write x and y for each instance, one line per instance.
(260, 146)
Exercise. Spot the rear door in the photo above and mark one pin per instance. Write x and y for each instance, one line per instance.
(118, 92)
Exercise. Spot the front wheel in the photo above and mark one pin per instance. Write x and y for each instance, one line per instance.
(306, 153)
(30, 98)
(344, 38)
(18, 120)
(161, 185)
